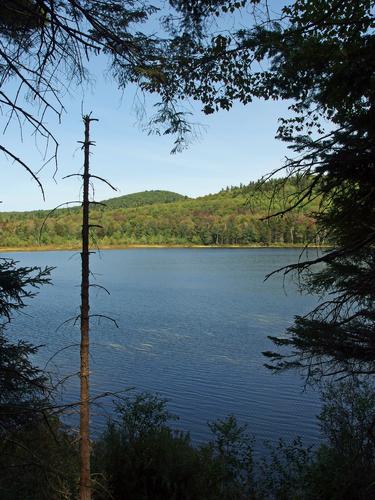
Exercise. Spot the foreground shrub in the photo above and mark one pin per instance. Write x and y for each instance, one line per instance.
(38, 456)
(139, 457)
(343, 467)
(39, 462)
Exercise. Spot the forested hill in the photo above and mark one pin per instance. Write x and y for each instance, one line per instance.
(143, 198)
(230, 217)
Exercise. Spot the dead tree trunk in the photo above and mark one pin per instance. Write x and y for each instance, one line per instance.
(85, 481)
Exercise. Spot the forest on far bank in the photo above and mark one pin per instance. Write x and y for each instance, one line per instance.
(237, 215)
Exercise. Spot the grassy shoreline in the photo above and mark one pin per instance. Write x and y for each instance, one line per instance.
(52, 248)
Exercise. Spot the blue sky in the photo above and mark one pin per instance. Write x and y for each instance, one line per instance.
(234, 147)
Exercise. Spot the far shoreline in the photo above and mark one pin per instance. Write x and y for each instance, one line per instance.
(55, 248)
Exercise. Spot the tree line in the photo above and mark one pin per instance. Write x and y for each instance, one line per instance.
(235, 216)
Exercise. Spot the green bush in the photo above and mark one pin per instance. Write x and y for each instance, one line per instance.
(39, 461)
(140, 457)
(343, 468)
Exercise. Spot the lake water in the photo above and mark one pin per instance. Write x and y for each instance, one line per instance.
(192, 326)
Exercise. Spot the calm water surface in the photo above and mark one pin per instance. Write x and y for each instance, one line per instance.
(192, 326)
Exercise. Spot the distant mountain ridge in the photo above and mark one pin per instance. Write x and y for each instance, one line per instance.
(237, 215)
(139, 199)
(143, 198)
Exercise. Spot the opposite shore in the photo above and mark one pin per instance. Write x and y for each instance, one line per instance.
(51, 248)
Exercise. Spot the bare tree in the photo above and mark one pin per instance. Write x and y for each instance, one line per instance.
(85, 401)
(85, 486)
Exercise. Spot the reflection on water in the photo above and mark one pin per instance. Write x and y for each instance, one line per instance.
(192, 326)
